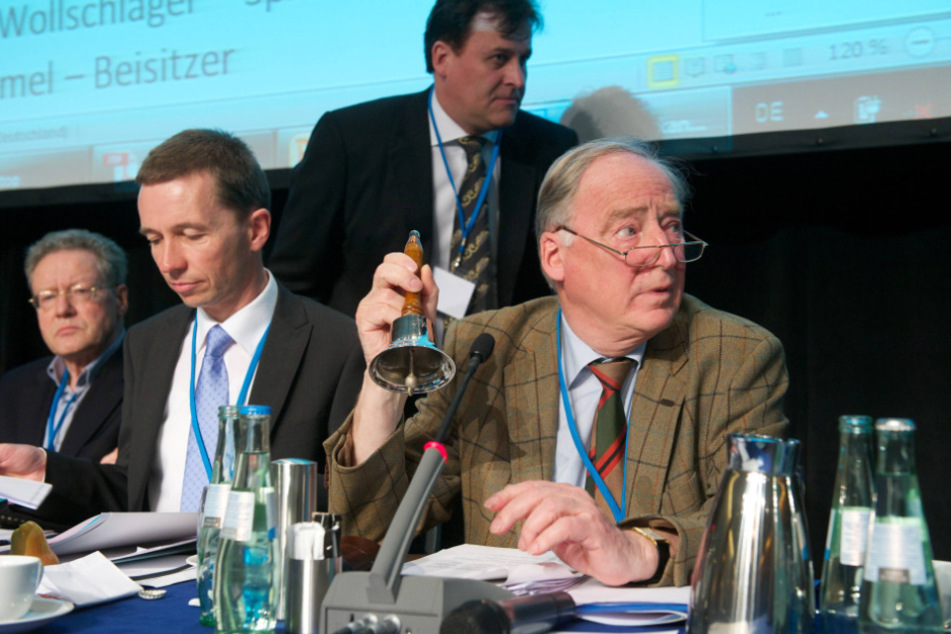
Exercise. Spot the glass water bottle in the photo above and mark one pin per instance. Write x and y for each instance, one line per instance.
(899, 593)
(214, 501)
(245, 592)
(852, 504)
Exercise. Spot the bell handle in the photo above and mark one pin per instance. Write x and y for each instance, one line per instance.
(413, 302)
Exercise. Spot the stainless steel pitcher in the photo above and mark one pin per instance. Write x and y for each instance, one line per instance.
(753, 573)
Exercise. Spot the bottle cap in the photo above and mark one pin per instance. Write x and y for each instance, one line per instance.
(256, 410)
(895, 424)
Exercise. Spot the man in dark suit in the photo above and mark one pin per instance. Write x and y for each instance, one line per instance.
(374, 171)
(525, 448)
(203, 208)
(70, 402)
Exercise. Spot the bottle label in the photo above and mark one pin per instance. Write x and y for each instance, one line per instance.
(271, 506)
(239, 518)
(215, 503)
(854, 534)
(895, 553)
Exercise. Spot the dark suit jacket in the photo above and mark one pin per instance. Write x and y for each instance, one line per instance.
(707, 375)
(366, 180)
(310, 373)
(26, 395)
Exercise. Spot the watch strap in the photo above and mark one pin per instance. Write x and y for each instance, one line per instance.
(663, 551)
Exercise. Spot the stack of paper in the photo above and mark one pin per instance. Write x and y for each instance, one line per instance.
(111, 530)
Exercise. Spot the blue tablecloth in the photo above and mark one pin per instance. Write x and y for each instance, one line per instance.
(169, 614)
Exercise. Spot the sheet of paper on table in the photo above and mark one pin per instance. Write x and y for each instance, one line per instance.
(87, 581)
(26, 493)
(469, 561)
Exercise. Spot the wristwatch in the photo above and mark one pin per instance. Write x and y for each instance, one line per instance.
(663, 550)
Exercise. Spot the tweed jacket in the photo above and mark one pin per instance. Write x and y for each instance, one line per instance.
(707, 375)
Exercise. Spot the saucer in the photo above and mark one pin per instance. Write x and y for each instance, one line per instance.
(41, 612)
(192, 561)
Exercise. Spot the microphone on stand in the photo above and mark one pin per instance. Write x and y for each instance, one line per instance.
(373, 601)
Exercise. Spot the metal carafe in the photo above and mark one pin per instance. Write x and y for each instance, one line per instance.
(753, 573)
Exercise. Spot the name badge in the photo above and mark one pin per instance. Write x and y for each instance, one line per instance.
(454, 293)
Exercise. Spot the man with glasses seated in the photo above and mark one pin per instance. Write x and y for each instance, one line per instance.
(598, 427)
(71, 402)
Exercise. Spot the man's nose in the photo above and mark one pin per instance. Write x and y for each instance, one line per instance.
(666, 258)
(168, 258)
(516, 74)
(64, 305)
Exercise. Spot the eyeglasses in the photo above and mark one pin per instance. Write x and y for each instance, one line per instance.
(75, 295)
(686, 251)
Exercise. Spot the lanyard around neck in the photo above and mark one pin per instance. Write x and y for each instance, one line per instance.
(53, 426)
(465, 227)
(242, 396)
(576, 437)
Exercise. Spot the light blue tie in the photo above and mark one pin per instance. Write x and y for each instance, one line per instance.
(210, 393)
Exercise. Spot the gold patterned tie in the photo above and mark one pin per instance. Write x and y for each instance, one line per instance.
(609, 434)
(474, 264)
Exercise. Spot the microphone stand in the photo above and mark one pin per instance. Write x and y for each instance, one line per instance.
(381, 601)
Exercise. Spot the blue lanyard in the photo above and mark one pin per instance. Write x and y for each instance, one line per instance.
(465, 227)
(242, 397)
(573, 427)
(53, 426)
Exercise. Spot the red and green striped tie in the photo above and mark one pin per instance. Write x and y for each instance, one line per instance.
(608, 436)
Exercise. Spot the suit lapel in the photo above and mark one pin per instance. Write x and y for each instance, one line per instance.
(409, 170)
(516, 195)
(655, 412)
(283, 351)
(158, 369)
(532, 401)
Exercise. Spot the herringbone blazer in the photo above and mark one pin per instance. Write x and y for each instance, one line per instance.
(707, 375)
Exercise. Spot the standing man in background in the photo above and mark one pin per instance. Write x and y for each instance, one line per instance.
(71, 402)
(460, 162)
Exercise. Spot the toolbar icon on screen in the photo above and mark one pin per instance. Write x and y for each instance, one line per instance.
(663, 71)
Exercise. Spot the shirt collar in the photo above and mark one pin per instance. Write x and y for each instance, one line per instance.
(449, 130)
(577, 354)
(57, 367)
(248, 325)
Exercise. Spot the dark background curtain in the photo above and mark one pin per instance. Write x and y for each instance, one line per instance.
(843, 254)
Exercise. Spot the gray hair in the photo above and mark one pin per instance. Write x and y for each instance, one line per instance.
(111, 260)
(561, 182)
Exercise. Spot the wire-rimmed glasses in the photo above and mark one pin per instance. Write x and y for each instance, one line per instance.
(686, 251)
(75, 295)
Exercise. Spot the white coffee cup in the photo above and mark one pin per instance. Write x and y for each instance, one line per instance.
(19, 577)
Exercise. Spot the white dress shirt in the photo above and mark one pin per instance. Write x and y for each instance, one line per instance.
(246, 327)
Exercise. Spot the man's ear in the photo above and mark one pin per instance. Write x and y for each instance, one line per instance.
(122, 299)
(259, 228)
(551, 252)
(441, 56)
